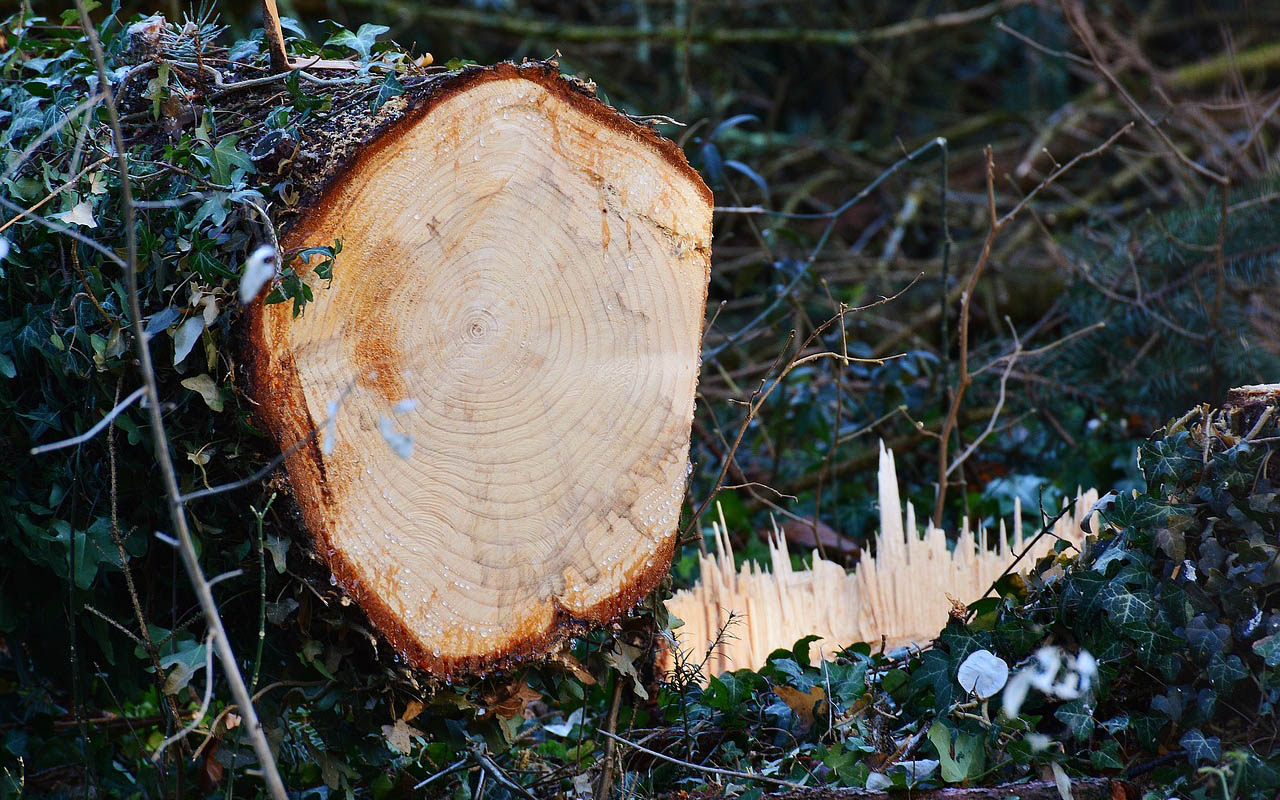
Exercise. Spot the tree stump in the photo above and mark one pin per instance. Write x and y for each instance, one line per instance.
(502, 372)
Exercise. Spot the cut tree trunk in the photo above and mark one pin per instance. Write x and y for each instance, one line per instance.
(502, 371)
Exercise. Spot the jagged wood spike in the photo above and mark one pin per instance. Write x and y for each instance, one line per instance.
(899, 593)
(513, 331)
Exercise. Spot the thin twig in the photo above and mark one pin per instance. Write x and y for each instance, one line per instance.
(761, 394)
(204, 704)
(169, 477)
(685, 34)
(832, 217)
(964, 377)
(728, 773)
(271, 465)
(1045, 530)
(92, 432)
(452, 768)
(82, 107)
(66, 185)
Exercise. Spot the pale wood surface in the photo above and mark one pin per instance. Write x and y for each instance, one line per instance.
(521, 294)
(899, 593)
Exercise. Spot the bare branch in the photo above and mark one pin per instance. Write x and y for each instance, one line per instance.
(169, 477)
(92, 432)
(728, 773)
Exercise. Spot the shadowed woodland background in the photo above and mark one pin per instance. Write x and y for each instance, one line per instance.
(1134, 285)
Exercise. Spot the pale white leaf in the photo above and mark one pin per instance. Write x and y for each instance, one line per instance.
(185, 337)
(983, 674)
(1086, 665)
(329, 438)
(207, 389)
(1063, 782)
(259, 268)
(1015, 693)
(920, 769)
(1038, 742)
(399, 443)
(80, 214)
(209, 309)
(878, 782)
(563, 729)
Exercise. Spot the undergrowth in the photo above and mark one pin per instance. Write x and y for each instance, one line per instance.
(1173, 598)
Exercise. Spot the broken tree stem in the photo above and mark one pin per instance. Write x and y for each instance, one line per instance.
(275, 37)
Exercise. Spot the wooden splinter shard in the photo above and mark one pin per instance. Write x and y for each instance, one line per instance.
(511, 340)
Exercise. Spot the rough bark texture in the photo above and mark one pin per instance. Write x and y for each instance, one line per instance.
(511, 340)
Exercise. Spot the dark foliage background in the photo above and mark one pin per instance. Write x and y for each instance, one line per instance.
(789, 106)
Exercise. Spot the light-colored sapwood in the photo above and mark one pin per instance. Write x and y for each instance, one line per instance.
(899, 593)
(508, 355)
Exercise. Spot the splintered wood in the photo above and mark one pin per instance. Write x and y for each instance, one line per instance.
(899, 593)
(502, 371)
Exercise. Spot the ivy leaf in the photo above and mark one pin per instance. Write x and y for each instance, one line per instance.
(1201, 749)
(934, 673)
(960, 641)
(1146, 729)
(279, 549)
(80, 214)
(1269, 649)
(1172, 542)
(724, 693)
(187, 660)
(790, 669)
(1107, 756)
(390, 88)
(1126, 607)
(1144, 510)
(1017, 637)
(623, 659)
(361, 41)
(848, 681)
(1168, 458)
(1206, 637)
(962, 756)
(161, 320)
(223, 159)
(1078, 718)
(1223, 671)
(800, 650)
(805, 705)
(1082, 596)
(400, 736)
(1169, 704)
(277, 613)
